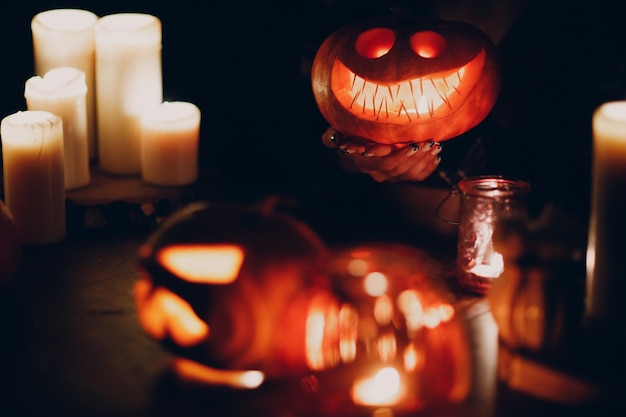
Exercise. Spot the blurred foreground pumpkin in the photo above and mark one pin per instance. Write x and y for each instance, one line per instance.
(10, 245)
(244, 294)
(227, 286)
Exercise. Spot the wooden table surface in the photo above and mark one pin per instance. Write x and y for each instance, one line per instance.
(72, 344)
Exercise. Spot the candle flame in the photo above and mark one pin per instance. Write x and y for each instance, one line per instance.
(490, 267)
(384, 388)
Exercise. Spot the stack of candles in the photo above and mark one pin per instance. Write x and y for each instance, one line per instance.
(97, 96)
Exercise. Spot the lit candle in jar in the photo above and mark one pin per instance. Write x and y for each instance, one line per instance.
(128, 81)
(606, 270)
(34, 185)
(170, 135)
(65, 38)
(485, 201)
(62, 91)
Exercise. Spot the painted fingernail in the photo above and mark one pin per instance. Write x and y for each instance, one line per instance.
(414, 147)
(367, 154)
(437, 149)
(437, 160)
(428, 146)
(347, 150)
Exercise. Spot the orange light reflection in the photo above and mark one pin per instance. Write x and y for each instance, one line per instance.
(203, 263)
(384, 388)
(434, 316)
(161, 312)
(197, 372)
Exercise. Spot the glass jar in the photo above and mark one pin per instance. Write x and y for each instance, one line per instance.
(485, 201)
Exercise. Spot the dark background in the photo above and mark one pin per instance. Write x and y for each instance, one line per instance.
(560, 61)
(246, 65)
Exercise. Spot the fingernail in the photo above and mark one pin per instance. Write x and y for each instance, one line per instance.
(437, 159)
(367, 154)
(437, 149)
(347, 150)
(428, 146)
(414, 147)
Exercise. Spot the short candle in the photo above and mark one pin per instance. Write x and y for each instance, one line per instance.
(169, 144)
(128, 81)
(62, 91)
(34, 185)
(65, 38)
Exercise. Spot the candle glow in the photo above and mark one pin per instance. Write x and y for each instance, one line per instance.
(65, 38)
(384, 388)
(170, 135)
(34, 184)
(63, 91)
(605, 265)
(485, 203)
(128, 81)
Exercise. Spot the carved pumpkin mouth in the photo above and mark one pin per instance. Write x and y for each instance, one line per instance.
(409, 101)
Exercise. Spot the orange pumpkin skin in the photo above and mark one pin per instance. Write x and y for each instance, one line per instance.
(394, 80)
(283, 258)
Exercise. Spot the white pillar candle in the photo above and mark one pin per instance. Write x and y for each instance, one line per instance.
(169, 144)
(128, 81)
(62, 91)
(65, 38)
(606, 269)
(34, 187)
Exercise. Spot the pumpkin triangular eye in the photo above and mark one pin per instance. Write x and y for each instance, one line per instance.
(428, 44)
(375, 43)
(203, 263)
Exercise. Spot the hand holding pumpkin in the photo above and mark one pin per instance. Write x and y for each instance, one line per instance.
(384, 81)
(413, 161)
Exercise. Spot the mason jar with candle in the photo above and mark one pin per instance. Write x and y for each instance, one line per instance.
(485, 201)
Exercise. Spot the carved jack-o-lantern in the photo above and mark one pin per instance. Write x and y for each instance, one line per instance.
(394, 80)
(243, 294)
(220, 283)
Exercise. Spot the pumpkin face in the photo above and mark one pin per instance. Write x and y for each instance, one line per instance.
(219, 286)
(391, 80)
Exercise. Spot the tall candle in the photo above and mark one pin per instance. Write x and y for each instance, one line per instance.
(169, 144)
(62, 91)
(34, 186)
(606, 269)
(128, 81)
(65, 38)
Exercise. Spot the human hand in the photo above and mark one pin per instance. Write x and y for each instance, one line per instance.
(413, 161)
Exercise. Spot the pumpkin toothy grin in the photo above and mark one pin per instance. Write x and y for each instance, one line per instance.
(405, 101)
